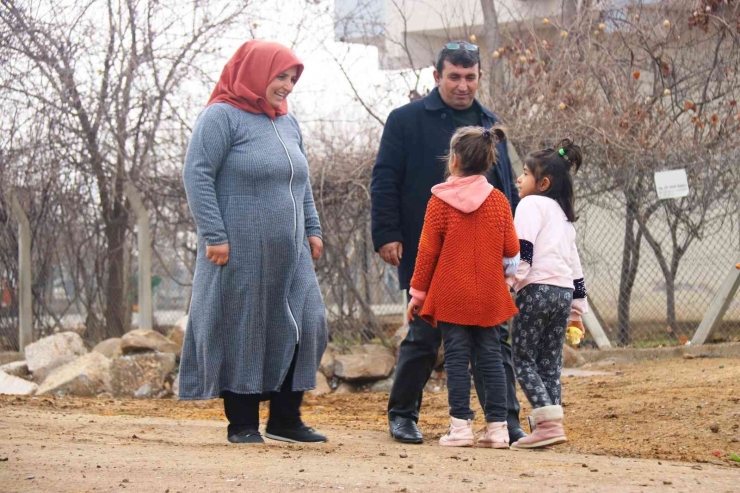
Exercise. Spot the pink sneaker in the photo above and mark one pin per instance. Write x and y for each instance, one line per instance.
(496, 436)
(460, 434)
(548, 431)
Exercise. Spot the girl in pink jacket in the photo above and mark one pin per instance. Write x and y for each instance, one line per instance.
(550, 292)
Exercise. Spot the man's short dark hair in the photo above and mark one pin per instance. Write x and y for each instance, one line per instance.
(461, 57)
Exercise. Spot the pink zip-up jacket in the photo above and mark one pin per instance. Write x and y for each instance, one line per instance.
(547, 245)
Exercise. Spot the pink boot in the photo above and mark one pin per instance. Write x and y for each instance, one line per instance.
(548, 431)
(496, 436)
(460, 434)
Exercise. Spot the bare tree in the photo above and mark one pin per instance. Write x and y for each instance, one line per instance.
(493, 41)
(353, 279)
(644, 90)
(108, 74)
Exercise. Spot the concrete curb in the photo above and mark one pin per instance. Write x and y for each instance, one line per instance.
(628, 355)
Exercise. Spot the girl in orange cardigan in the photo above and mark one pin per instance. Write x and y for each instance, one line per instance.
(458, 283)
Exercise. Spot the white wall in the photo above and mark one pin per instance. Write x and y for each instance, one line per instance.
(415, 30)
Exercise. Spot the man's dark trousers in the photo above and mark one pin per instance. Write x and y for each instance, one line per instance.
(416, 359)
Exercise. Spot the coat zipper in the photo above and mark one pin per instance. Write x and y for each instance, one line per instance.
(295, 219)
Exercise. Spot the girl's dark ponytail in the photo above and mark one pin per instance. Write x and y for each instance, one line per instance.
(572, 154)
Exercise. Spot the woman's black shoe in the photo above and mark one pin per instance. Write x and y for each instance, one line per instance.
(246, 436)
(295, 434)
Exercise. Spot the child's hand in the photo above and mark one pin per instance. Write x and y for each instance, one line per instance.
(412, 311)
(575, 333)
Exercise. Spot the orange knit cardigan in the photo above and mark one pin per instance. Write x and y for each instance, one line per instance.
(459, 265)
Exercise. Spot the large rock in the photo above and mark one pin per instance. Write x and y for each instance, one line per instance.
(10, 357)
(322, 385)
(571, 358)
(17, 369)
(41, 374)
(375, 363)
(382, 385)
(345, 388)
(110, 348)
(327, 363)
(399, 336)
(141, 375)
(78, 329)
(375, 349)
(87, 376)
(49, 353)
(143, 341)
(11, 385)
(177, 335)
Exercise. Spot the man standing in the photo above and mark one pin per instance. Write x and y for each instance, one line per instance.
(410, 162)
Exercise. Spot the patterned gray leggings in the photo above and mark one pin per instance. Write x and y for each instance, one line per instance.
(537, 341)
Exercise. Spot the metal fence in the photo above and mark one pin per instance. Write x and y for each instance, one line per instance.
(363, 300)
(69, 296)
(601, 231)
(645, 321)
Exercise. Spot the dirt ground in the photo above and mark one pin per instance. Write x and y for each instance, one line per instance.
(663, 426)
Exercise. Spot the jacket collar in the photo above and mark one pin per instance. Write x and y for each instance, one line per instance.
(433, 102)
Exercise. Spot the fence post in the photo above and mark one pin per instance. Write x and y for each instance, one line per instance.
(25, 297)
(144, 244)
(719, 306)
(592, 325)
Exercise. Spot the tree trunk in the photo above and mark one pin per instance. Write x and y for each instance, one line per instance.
(115, 290)
(667, 275)
(493, 41)
(678, 253)
(630, 263)
(94, 329)
(670, 303)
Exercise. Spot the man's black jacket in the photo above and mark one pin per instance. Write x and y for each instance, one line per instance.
(410, 162)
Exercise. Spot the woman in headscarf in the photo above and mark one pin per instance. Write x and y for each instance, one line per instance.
(257, 327)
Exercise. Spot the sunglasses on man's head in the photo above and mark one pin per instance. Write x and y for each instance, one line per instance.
(458, 46)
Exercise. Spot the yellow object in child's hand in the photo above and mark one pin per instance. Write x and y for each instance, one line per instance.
(574, 336)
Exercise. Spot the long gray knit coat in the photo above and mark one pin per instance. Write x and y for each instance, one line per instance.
(247, 184)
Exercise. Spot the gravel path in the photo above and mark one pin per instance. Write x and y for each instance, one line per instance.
(58, 450)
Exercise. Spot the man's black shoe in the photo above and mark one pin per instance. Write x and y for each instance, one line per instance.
(295, 434)
(516, 434)
(246, 436)
(404, 430)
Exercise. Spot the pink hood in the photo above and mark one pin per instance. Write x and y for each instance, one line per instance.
(465, 194)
